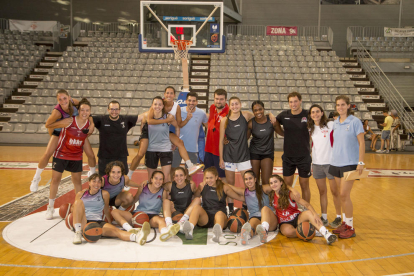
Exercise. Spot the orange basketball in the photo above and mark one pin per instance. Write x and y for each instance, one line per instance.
(241, 213)
(305, 231)
(176, 216)
(92, 232)
(138, 219)
(64, 210)
(130, 208)
(235, 224)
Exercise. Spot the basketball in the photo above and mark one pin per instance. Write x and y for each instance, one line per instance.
(69, 222)
(241, 213)
(104, 218)
(305, 231)
(130, 208)
(92, 232)
(235, 224)
(64, 210)
(176, 216)
(138, 219)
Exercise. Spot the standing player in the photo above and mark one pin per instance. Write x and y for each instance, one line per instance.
(285, 200)
(218, 111)
(322, 140)
(347, 155)
(89, 206)
(68, 155)
(194, 118)
(386, 132)
(296, 150)
(262, 151)
(65, 108)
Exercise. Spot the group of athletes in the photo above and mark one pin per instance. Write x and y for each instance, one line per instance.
(311, 143)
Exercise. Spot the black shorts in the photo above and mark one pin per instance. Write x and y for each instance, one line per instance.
(144, 132)
(211, 160)
(61, 165)
(112, 202)
(210, 222)
(102, 162)
(339, 171)
(303, 164)
(56, 133)
(293, 222)
(259, 218)
(256, 156)
(100, 222)
(152, 158)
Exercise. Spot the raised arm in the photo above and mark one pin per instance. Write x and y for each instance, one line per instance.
(248, 115)
(152, 121)
(130, 183)
(237, 190)
(59, 124)
(232, 194)
(199, 189)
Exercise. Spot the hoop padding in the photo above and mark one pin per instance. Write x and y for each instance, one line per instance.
(181, 48)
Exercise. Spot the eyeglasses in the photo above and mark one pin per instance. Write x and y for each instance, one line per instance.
(114, 109)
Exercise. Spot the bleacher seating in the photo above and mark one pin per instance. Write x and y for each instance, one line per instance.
(388, 46)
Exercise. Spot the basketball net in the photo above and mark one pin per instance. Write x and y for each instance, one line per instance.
(181, 48)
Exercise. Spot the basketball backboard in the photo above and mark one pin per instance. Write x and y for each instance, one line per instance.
(182, 20)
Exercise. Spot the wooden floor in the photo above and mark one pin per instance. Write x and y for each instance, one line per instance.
(383, 220)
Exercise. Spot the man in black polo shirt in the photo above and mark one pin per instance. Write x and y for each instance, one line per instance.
(296, 149)
(113, 129)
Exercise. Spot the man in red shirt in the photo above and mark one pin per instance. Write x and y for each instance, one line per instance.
(218, 110)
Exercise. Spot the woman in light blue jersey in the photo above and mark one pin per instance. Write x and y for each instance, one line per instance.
(89, 206)
(150, 198)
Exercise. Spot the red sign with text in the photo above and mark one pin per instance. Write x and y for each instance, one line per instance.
(281, 30)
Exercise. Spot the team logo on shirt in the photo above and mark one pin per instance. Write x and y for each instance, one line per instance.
(304, 119)
(75, 142)
(123, 124)
(159, 197)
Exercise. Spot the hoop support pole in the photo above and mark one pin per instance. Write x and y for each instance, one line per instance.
(162, 24)
(211, 14)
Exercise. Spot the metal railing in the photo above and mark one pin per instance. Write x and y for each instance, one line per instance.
(4, 24)
(111, 27)
(255, 30)
(354, 32)
(386, 89)
(76, 31)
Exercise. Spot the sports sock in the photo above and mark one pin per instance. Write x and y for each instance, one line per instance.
(126, 226)
(231, 207)
(338, 216)
(130, 173)
(323, 231)
(92, 170)
(350, 222)
(164, 230)
(121, 208)
(132, 237)
(78, 227)
(189, 164)
(168, 221)
(265, 225)
(38, 172)
(185, 217)
(325, 216)
(52, 202)
(343, 217)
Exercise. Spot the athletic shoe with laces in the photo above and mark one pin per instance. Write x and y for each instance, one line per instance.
(325, 222)
(330, 238)
(78, 237)
(35, 184)
(49, 212)
(134, 230)
(349, 232)
(141, 237)
(188, 230)
(387, 151)
(336, 223)
(340, 229)
(380, 151)
(172, 230)
(262, 233)
(217, 231)
(245, 233)
(195, 169)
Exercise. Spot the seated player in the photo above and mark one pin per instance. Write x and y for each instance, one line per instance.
(285, 201)
(180, 191)
(88, 207)
(114, 182)
(262, 219)
(213, 212)
(150, 199)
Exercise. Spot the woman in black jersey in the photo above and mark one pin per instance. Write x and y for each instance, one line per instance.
(180, 192)
(262, 153)
(213, 210)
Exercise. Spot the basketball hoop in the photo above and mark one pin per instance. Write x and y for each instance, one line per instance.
(181, 48)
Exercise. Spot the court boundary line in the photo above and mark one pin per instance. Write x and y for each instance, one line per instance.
(207, 268)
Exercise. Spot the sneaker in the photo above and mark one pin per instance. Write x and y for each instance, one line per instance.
(134, 230)
(35, 184)
(349, 232)
(49, 212)
(380, 151)
(330, 238)
(195, 169)
(142, 235)
(188, 230)
(336, 223)
(78, 237)
(318, 234)
(387, 151)
(325, 222)
(340, 229)
(89, 174)
(181, 223)
(262, 233)
(245, 233)
(217, 231)
(172, 230)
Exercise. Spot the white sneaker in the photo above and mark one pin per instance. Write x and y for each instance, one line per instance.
(181, 223)
(387, 151)
(262, 233)
(134, 230)
(330, 238)
(380, 151)
(49, 212)
(89, 174)
(141, 236)
(245, 233)
(126, 188)
(318, 234)
(195, 169)
(35, 184)
(172, 230)
(188, 230)
(78, 237)
(217, 231)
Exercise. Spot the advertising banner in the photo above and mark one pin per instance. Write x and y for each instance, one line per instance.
(282, 30)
